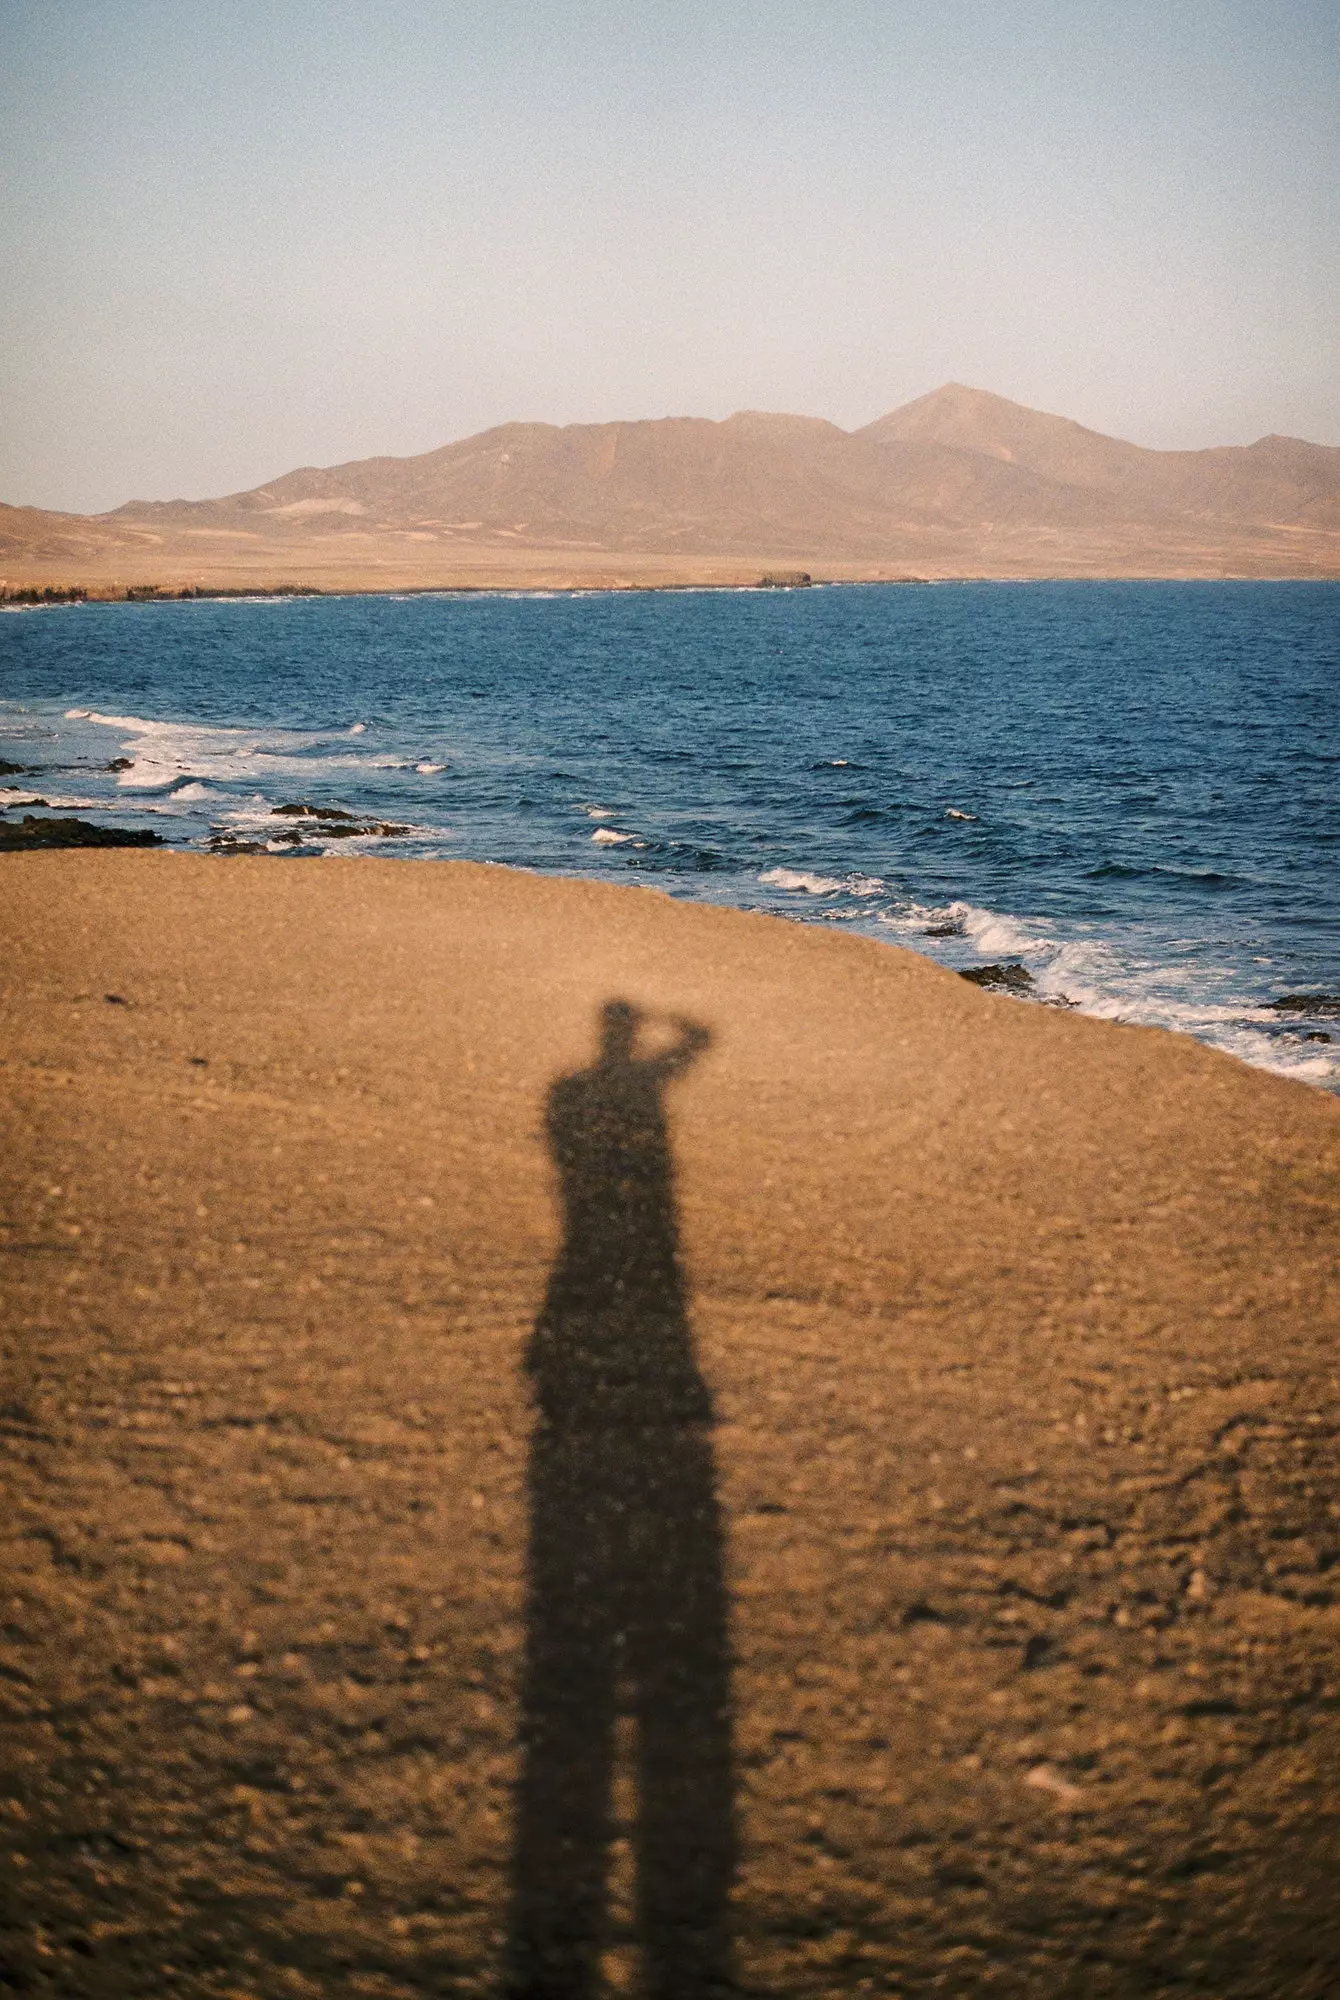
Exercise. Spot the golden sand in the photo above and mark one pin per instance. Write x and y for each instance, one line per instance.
(1020, 1330)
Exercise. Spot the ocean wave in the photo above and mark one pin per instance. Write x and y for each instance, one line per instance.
(1128, 980)
(1191, 878)
(805, 881)
(62, 801)
(168, 756)
(993, 933)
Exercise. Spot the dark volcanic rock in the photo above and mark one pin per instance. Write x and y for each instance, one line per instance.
(313, 812)
(228, 843)
(8, 770)
(385, 827)
(44, 833)
(1008, 978)
(320, 823)
(1324, 1006)
(333, 823)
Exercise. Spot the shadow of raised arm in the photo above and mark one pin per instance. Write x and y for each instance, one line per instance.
(694, 1040)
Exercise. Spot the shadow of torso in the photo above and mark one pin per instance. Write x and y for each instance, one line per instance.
(612, 1341)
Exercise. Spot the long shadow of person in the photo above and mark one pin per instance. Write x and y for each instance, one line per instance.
(626, 1598)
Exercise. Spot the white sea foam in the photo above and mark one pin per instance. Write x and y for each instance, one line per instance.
(427, 770)
(992, 933)
(804, 882)
(801, 879)
(954, 813)
(259, 812)
(605, 836)
(65, 801)
(367, 842)
(164, 756)
(1126, 979)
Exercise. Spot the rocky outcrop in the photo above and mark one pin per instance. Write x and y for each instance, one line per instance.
(31, 832)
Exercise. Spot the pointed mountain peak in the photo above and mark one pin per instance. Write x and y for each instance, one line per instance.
(976, 420)
(955, 406)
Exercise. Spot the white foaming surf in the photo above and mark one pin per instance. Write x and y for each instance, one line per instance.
(804, 881)
(1128, 979)
(168, 756)
(11, 796)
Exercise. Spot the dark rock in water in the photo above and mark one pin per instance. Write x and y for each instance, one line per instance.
(45, 833)
(380, 826)
(8, 770)
(119, 764)
(228, 843)
(943, 930)
(1010, 978)
(312, 812)
(30, 802)
(1325, 1006)
(1318, 1035)
(331, 823)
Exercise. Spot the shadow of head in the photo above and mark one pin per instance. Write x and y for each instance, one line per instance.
(618, 1030)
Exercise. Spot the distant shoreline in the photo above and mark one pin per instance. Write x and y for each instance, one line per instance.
(53, 596)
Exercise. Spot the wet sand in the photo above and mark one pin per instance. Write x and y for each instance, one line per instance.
(1020, 1333)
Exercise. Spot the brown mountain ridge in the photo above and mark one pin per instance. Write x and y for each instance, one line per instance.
(958, 483)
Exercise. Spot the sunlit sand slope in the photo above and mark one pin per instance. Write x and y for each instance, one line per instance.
(1019, 1335)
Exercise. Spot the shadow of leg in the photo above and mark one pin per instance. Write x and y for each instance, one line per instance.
(679, 1665)
(567, 1730)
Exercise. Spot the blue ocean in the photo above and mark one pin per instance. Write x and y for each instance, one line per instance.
(1129, 792)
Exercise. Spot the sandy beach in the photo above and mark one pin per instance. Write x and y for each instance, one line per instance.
(1019, 1330)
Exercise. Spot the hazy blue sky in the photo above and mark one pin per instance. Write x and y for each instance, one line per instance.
(241, 238)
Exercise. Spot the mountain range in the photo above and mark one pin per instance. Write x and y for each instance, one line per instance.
(959, 482)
